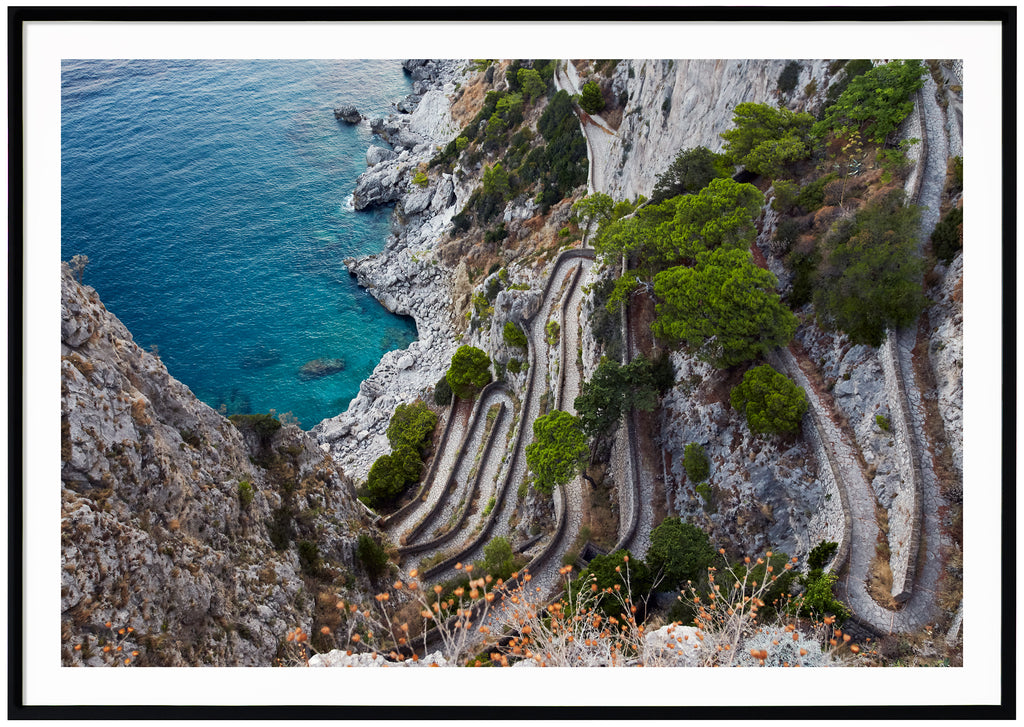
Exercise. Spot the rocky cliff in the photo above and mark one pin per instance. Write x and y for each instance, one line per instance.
(179, 524)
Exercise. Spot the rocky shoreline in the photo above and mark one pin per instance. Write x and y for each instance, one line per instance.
(406, 277)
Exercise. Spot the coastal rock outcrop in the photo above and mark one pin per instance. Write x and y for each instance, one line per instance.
(174, 520)
(348, 113)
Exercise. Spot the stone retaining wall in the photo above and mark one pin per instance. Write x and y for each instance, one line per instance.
(905, 511)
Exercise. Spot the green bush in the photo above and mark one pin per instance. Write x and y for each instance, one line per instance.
(615, 389)
(696, 462)
(821, 554)
(632, 576)
(870, 276)
(499, 233)
(372, 555)
(882, 422)
(515, 365)
(310, 562)
(513, 335)
(771, 402)
(786, 193)
(875, 102)
(469, 372)
(552, 329)
(776, 598)
(412, 425)
(558, 450)
(442, 392)
(789, 76)
(680, 552)
(707, 494)
(818, 600)
(948, 235)
(245, 493)
(264, 425)
(499, 561)
(812, 194)
(391, 474)
(420, 180)
(591, 99)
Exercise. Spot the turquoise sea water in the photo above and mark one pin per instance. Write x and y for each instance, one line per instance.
(210, 197)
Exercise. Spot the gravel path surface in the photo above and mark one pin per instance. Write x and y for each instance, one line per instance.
(397, 529)
(475, 476)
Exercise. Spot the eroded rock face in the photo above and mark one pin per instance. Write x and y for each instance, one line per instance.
(156, 530)
(679, 104)
(946, 352)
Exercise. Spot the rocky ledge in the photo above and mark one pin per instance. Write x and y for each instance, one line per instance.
(406, 277)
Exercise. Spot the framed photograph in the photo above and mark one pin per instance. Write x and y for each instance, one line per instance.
(684, 359)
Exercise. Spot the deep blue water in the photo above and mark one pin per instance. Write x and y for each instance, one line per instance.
(210, 197)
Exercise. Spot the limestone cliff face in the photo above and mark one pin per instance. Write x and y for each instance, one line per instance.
(155, 533)
(678, 104)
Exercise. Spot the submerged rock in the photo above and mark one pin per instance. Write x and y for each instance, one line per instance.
(320, 367)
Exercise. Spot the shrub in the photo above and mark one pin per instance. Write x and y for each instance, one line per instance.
(948, 235)
(412, 425)
(876, 101)
(696, 462)
(499, 561)
(309, 558)
(558, 450)
(391, 474)
(469, 372)
(533, 85)
(882, 422)
(680, 552)
(821, 554)
(766, 139)
(264, 425)
(786, 193)
(707, 494)
(245, 493)
(442, 392)
(812, 194)
(819, 600)
(789, 76)
(771, 402)
(870, 278)
(420, 180)
(552, 329)
(496, 235)
(372, 555)
(591, 99)
(515, 365)
(619, 569)
(513, 335)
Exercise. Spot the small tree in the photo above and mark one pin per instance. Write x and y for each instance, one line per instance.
(771, 402)
(558, 450)
(591, 99)
(442, 392)
(372, 555)
(725, 309)
(696, 463)
(469, 372)
(766, 139)
(533, 85)
(691, 171)
(680, 552)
